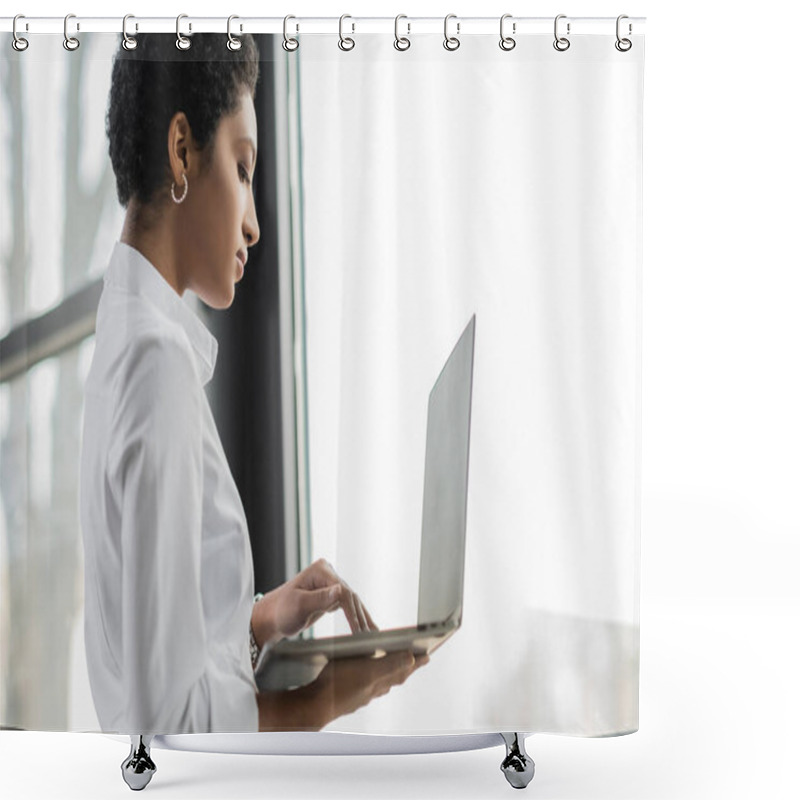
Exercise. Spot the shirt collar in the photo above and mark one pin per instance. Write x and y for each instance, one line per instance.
(128, 269)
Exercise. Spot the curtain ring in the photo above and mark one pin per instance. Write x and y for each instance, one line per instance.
(451, 42)
(290, 44)
(18, 43)
(182, 43)
(345, 43)
(70, 42)
(561, 43)
(128, 42)
(506, 42)
(623, 45)
(401, 43)
(233, 43)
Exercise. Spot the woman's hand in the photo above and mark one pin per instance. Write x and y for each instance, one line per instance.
(343, 686)
(347, 684)
(301, 601)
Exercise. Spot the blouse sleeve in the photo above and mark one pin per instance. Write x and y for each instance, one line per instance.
(169, 682)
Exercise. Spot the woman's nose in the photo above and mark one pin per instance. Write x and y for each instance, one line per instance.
(251, 230)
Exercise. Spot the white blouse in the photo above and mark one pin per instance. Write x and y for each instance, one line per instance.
(168, 565)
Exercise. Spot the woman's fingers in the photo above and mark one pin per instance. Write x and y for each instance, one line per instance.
(348, 602)
(370, 622)
(365, 621)
(392, 670)
(322, 574)
(362, 617)
(351, 610)
(318, 602)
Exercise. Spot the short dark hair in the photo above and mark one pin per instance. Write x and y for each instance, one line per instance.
(151, 83)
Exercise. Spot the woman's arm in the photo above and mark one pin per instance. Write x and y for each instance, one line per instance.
(170, 684)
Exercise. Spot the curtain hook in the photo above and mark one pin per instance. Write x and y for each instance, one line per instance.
(347, 43)
(128, 42)
(70, 42)
(233, 43)
(623, 45)
(18, 43)
(506, 42)
(451, 42)
(182, 43)
(401, 43)
(290, 44)
(561, 43)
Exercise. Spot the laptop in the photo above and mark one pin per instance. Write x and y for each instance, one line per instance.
(296, 662)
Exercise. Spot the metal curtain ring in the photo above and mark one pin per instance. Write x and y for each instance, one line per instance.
(182, 43)
(18, 43)
(70, 42)
(345, 43)
(623, 45)
(401, 42)
(233, 43)
(451, 42)
(128, 42)
(290, 44)
(506, 42)
(561, 43)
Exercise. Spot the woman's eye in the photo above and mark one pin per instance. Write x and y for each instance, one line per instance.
(243, 173)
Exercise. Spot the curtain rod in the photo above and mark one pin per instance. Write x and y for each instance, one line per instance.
(319, 25)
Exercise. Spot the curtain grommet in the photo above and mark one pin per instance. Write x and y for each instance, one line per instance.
(70, 42)
(128, 42)
(507, 43)
(18, 42)
(451, 43)
(290, 44)
(623, 44)
(561, 43)
(234, 44)
(346, 43)
(182, 42)
(401, 43)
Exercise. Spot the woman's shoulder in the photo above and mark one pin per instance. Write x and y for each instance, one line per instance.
(159, 352)
(156, 390)
(129, 325)
(143, 352)
(156, 400)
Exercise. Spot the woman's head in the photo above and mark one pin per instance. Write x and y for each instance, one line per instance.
(187, 117)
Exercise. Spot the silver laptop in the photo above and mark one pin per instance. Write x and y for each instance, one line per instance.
(295, 662)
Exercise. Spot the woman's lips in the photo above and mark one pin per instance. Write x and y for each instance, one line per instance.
(240, 263)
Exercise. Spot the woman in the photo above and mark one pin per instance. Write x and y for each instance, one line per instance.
(171, 626)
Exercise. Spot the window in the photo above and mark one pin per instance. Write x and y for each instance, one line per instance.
(59, 219)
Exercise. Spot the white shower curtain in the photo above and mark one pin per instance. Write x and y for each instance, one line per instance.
(435, 185)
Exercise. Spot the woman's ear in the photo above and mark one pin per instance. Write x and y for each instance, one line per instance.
(181, 146)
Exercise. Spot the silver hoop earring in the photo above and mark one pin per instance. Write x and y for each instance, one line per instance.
(185, 189)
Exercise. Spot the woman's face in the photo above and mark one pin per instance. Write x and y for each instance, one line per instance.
(219, 211)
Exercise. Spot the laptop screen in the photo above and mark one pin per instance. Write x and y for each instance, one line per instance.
(444, 505)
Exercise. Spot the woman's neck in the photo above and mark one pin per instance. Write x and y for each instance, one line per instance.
(150, 234)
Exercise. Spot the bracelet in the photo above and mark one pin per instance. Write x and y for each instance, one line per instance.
(254, 649)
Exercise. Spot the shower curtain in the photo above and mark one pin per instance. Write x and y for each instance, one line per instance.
(402, 190)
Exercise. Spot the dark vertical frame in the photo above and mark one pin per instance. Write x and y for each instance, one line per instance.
(245, 392)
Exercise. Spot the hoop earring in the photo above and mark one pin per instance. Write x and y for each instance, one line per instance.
(185, 189)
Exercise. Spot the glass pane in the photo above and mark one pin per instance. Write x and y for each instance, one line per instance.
(54, 172)
(41, 570)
